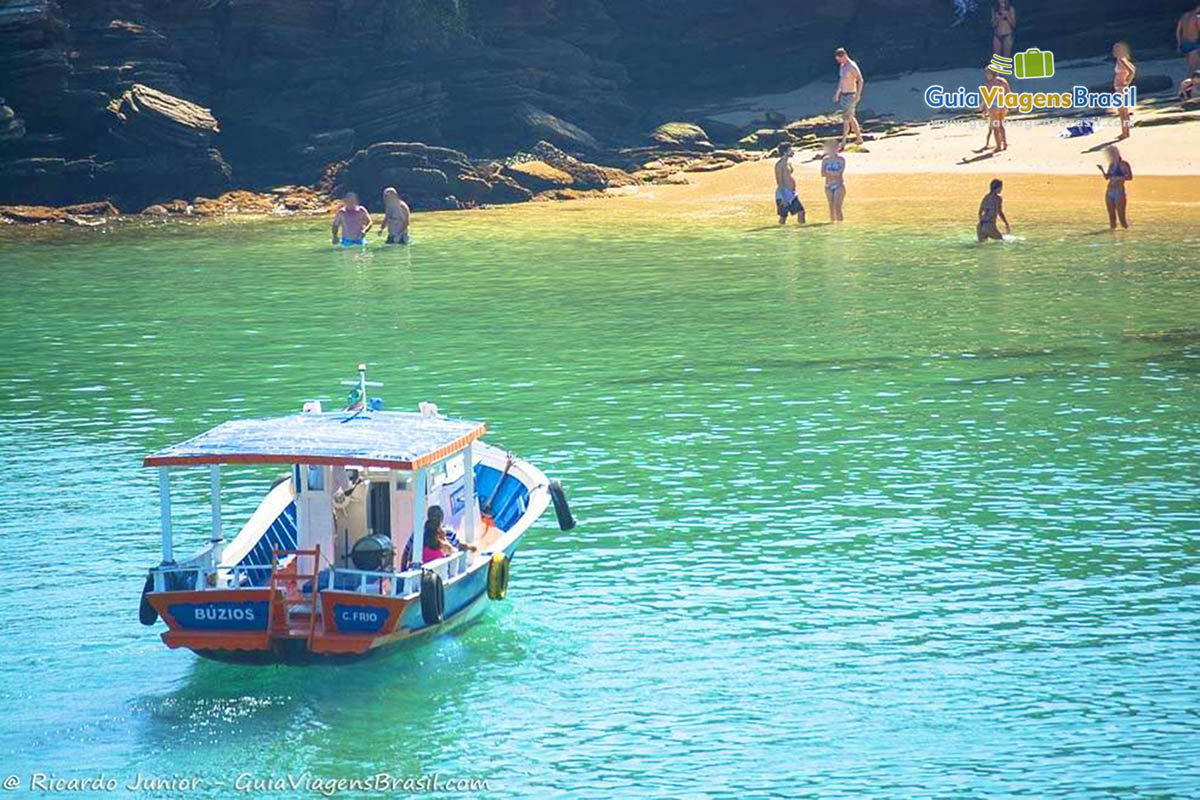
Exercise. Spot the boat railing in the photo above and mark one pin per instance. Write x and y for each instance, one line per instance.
(450, 566)
(365, 581)
(197, 575)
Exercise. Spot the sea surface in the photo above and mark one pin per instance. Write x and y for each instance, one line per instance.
(870, 512)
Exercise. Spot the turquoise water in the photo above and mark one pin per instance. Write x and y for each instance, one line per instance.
(862, 513)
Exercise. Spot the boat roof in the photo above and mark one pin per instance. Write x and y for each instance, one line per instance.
(393, 439)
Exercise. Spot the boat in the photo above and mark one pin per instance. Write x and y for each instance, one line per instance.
(332, 564)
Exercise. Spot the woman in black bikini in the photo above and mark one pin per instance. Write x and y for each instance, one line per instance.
(1004, 25)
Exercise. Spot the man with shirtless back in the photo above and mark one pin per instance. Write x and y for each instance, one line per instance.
(1187, 34)
(849, 92)
(786, 201)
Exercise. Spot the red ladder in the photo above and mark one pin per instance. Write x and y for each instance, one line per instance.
(287, 595)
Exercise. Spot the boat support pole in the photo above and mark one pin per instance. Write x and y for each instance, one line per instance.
(217, 536)
(469, 491)
(418, 537)
(164, 505)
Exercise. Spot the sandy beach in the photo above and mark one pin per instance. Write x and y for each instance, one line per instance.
(935, 170)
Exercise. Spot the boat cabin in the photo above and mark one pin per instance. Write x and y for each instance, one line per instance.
(352, 509)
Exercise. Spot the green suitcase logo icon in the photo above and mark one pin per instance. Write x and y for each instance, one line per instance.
(1034, 63)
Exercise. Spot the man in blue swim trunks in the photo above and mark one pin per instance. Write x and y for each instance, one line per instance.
(354, 222)
(1187, 34)
(786, 201)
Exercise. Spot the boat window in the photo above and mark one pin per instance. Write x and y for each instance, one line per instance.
(379, 515)
(316, 479)
(296, 478)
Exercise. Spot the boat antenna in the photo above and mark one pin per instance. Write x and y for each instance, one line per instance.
(358, 395)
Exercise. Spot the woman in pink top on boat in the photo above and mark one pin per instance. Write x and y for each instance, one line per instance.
(437, 540)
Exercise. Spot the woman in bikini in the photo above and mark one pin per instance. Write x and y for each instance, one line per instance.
(1117, 174)
(1004, 25)
(1123, 74)
(833, 170)
(991, 208)
(995, 114)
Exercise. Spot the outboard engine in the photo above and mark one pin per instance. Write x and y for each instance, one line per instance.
(373, 553)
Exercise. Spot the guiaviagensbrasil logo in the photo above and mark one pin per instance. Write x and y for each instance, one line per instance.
(1033, 63)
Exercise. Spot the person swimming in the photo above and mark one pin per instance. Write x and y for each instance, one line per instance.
(786, 200)
(833, 170)
(1123, 74)
(991, 208)
(1004, 25)
(396, 216)
(1118, 173)
(353, 221)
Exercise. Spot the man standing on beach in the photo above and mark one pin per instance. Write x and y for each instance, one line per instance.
(1187, 34)
(849, 92)
(786, 200)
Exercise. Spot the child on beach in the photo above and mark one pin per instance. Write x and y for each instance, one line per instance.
(991, 208)
(786, 201)
(833, 170)
(1117, 174)
(1123, 74)
(1189, 88)
(353, 220)
(395, 217)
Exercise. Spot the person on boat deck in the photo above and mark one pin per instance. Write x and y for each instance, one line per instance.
(396, 215)
(438, 540)
(349, 510)
(353, 220)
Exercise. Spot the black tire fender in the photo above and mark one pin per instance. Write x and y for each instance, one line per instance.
(433, 597)
(146, 613)
(562, 509)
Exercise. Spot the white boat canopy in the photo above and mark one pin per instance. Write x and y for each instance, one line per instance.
(396, 440)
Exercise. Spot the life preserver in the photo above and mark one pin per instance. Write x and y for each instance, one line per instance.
(562, 509)
(497, 581)
(433, 597)
(146, 613)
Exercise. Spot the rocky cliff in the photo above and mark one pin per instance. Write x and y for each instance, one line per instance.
(139, 101)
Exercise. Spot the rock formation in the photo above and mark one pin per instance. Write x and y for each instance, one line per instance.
(142, 102)
(426, 177)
